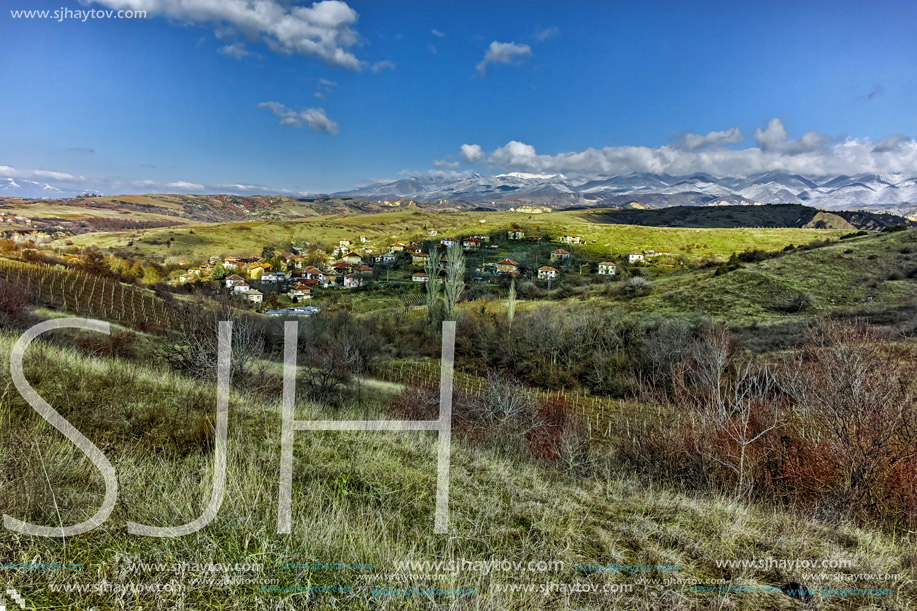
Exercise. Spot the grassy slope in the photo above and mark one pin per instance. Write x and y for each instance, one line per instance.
(610, 240)
(867, 273)
(366, 497)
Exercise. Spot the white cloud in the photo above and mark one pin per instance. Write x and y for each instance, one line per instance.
(326, 83)
(692, 142)
(774, 138)
(323, 30)
(235, 50)
(49, 183)
(445, 164)
(812, 154)
(437, 33)
(383, 65)
(313, 117)
(503, 53)
(542, 35)
(472, 153)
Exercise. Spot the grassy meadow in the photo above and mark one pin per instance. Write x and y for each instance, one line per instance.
(367, 499)
(248, 238)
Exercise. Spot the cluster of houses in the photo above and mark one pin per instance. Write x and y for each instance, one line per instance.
(13, 218)
(299, 275)
(296, 277)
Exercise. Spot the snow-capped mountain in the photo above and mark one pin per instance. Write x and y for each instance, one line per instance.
(863, 191)
(31, 189)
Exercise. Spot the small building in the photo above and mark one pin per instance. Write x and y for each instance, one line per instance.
(560, 255)
(419, 277)
(313, 273)
(364, 239)
(515, 234)
(471, 244)
(507, 267)
(299, 291)
(607, 268)
(352, 281)
(273, 277)
(397, 247)
(447, 242)
(230, 280)
(571, 239)
(635, 257)
(253, 296)
(419, 258)
(547, 273)
(353, 258)
(239, 287)
(344, 244)
(363, 270)
(388, 258)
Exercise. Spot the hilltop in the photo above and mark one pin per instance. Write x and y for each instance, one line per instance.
(770, 215)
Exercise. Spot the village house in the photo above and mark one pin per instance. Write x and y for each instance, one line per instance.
(412, 249)
(299, 291)
(230, 280)
(635, 257)
(352, 258)
(397, 247)
(419, 258)
(363, 239)
(515, 234)
(239, 287)
(344, 244)
(352, 281)
(547, 273)
(190, 275)
(607, 268)
(533, 237)
(507, 267)
(313, 273)
(447, 242)
(388, 258)
(571, 239)
(253, 296)
(273, 277)
(363, 270)
(419, 277)
(560, 255)
(470, 244)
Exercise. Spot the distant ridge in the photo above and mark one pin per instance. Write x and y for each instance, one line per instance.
(771, 215)
(881, 192)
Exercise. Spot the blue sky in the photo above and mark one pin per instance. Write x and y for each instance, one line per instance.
(178, 99)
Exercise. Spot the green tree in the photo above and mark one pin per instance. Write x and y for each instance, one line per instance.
(455, 279)
(219, 272)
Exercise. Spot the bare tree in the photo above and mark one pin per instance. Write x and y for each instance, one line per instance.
(738, 402)
(853, 398)
(511, 302)
(504, 407)
(191, 344)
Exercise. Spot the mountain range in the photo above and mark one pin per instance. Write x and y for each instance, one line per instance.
(876, 192)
